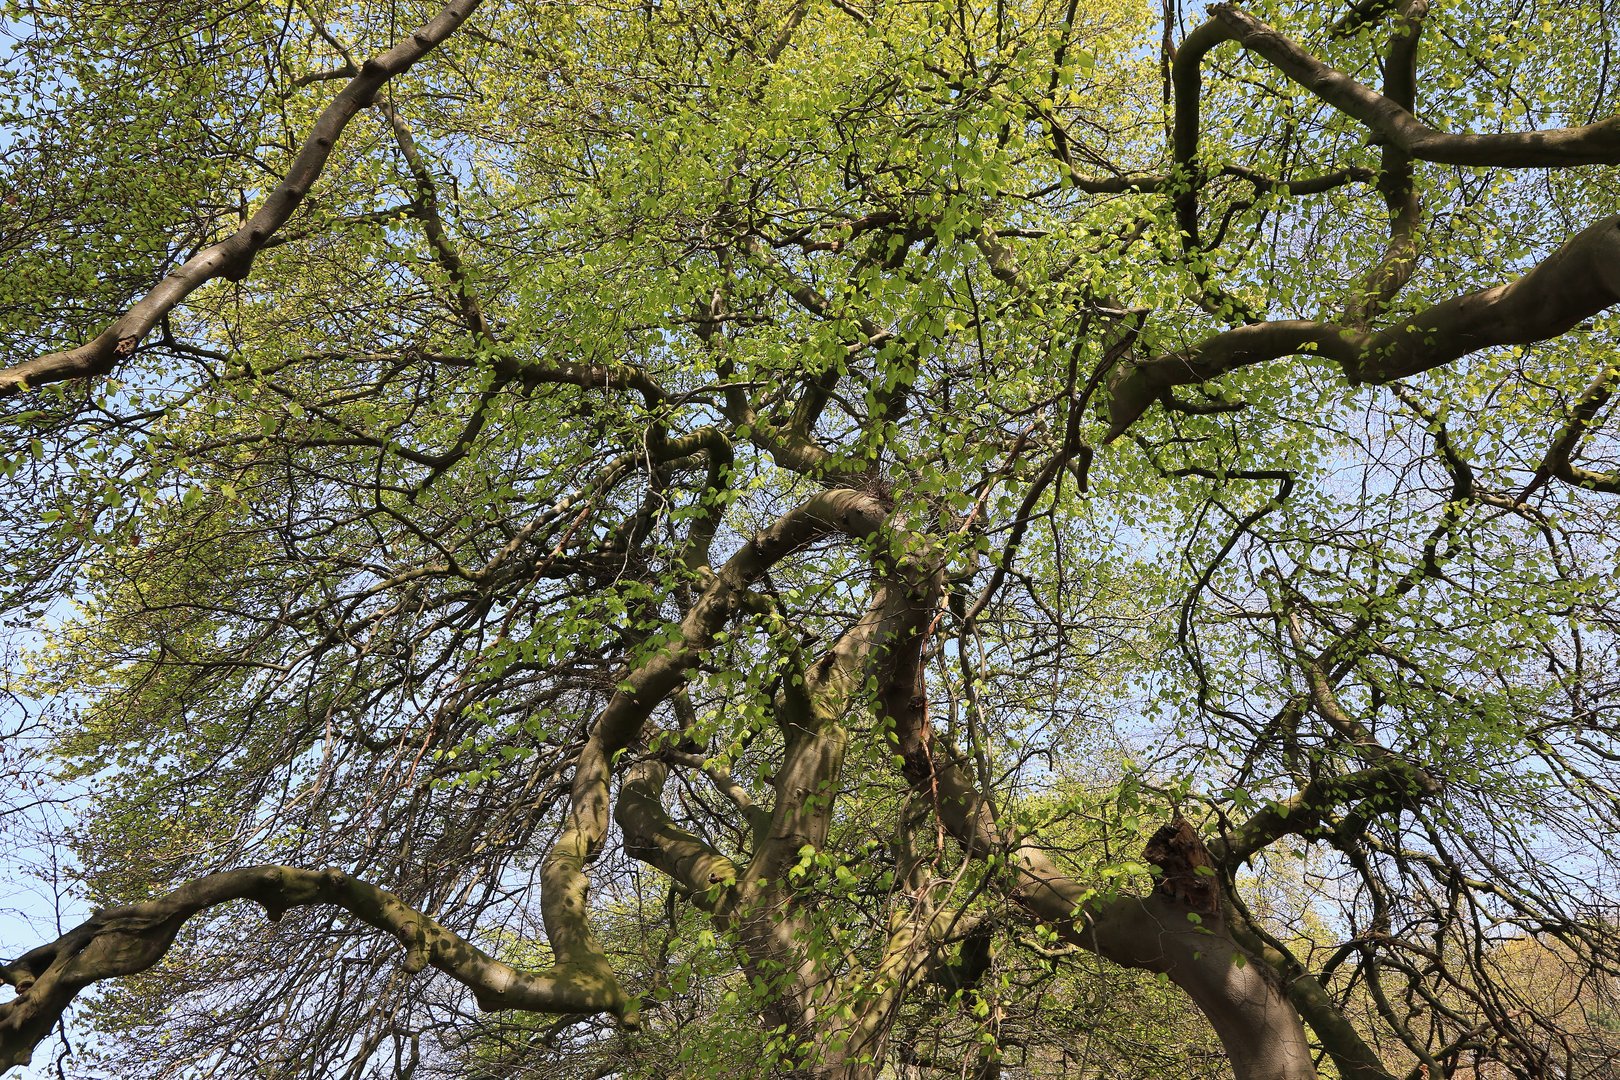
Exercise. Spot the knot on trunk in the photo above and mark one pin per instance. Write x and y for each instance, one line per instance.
(1187, 873)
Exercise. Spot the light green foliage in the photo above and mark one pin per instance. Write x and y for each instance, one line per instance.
(346, 562)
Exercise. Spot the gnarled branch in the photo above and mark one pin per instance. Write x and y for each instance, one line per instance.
(128, 939)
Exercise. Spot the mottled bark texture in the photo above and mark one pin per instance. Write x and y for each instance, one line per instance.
(125, 940)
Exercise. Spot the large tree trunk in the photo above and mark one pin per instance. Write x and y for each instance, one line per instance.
(1178, 930)
(1259, 1028)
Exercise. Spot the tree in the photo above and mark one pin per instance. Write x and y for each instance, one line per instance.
(748, 537)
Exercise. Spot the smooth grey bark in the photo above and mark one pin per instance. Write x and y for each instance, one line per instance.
(1577, 281)
(131, 938)
(1250, 1011)
(232, 258)
(1390, 118)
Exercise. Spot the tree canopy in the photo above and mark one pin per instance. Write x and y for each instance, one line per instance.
(815, 538)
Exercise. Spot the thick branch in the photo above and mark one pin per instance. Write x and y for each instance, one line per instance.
(1260, 1030)
(1396, 182)
(1559, 460)
(813, 731)
(1256, 1023)
(1351, 1054)
(1186, 75)
(233, 257)
(770, 931)
(128, 939)
(653, 838)
(1592, 144)
(564, 883)
(1392, 782)
(1574, 283)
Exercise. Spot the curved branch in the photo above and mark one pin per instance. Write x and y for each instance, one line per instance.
(1251, 1014)
(232, 258)
(1558, 461)
(1345, 1045)
(1396, 183)
(652, 837)
(1259, 1028)
(1186, 76)
(1392, 782)
(564, 883)
(131, 938)
(1574, 283)
(1591, 144)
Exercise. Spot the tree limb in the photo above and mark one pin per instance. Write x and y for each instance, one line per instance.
(1574, 283)
(232, 258)
(1591, 144)
(1391, 782)
(563, 880)
(128, 939)
(1558, 460)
